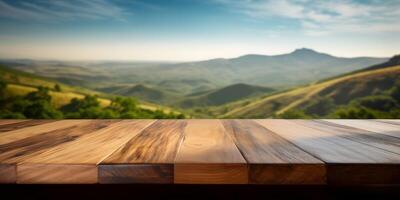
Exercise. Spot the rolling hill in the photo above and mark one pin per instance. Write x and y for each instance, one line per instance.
(224, 95)
(314, 99)
(21, 83)
(141, 91)
(278, 71)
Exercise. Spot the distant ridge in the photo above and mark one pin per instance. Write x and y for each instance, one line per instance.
(395, 60)
(224, 95)
(325, 97)
(298, 67)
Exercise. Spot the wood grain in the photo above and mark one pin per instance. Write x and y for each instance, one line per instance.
(271, 158)
(11, 121)
(381, 141)
(157, 144)
(8, 173)
(211, 173)
(88, 150)
(370, 125)
(22, 133)
(136, 173)
(93, 147)
(21, 124)
(391, 121)
(208, 155)
(57, 174)
(17, 151)
(335, 150)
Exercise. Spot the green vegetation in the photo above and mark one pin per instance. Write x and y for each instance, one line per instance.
(37, 105)
(383, 105)
(322, 99)
(224, 95)
(21, 83)
(373, 92)
(287, 70)
(142, 92)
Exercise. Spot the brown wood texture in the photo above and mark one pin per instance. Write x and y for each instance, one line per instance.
(15, 145)
(88, 151)
(338, 152)
(19, 134)
(378, 140)
(18, 150)
(209, 155)
(136, 173)
(272, 159)
(11, 121)
(157, 144)
(9, 125)
(8, 173)
(370, 125)
(333, 152)
(56, 174)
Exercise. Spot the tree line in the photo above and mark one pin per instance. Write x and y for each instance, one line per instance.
(37, 105)
(382, 105)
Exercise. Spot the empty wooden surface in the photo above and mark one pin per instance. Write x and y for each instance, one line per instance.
(371, 125)
(90, 149)
(378, 140)
(272, 159)
(9, 125)
(339, 152)
(152, 151)
(209, 155)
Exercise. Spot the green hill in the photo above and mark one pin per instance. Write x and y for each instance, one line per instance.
(326, 98)
(277, 71)
(21, 83)
(224, 95)
(141, 91)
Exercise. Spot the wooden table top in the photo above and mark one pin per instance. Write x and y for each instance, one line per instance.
(265, 151)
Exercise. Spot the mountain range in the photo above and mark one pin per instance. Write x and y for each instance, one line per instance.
(279, 71)
(252, 86)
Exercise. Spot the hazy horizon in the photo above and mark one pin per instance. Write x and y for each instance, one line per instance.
(180, 30)
(179, 61)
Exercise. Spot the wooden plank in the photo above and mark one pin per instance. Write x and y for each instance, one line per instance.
(378, 140)
(80, 155)
(8, 173)
(391, 121)
(272, 159)
(21, 124)
(341, 154)
(371, 125)
(18, 150)
(54, 174)
(152, 152)
(19, 134)
(209, 156)
(9, 143)
(11, 121)
(136, 173)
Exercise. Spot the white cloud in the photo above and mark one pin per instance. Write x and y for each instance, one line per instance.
(61, 10)
(326, 17)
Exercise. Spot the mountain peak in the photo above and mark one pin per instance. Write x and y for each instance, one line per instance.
(309, 53)
(304, 51)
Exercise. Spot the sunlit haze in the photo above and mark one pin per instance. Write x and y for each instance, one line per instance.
(177, 30)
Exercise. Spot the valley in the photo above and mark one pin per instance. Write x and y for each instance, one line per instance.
(301, 84)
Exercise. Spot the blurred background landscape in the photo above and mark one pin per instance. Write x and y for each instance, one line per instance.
(199, 59)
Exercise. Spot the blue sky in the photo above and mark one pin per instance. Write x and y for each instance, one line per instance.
(195, 29)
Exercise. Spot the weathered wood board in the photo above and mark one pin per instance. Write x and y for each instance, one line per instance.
(273, 152)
